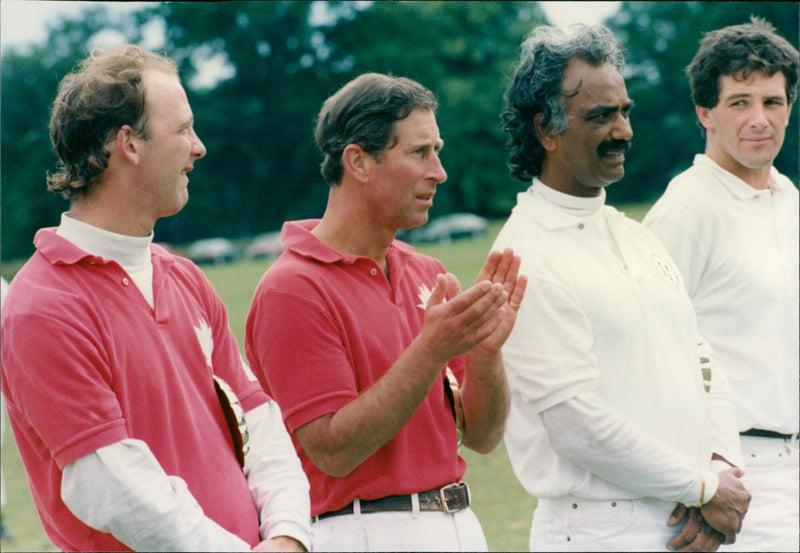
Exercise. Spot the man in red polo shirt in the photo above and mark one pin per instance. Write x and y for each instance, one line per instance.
(125, 386)
(353, 333)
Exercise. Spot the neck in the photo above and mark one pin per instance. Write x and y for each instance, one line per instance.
(347, 230)
(111, 214)
(757, 177)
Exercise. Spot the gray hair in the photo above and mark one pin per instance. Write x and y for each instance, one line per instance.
(537, 87)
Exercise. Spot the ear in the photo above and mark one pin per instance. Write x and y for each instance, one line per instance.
(356, 162)
(126, 144)
(544, 133)
(704, 116)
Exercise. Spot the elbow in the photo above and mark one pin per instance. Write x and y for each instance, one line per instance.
(334, 465)
(484, 445)
(487, 439)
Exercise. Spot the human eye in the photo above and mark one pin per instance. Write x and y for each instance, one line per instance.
(599, 117)
(626, 111)
(420, 152)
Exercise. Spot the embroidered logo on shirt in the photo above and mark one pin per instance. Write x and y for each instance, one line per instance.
(203, 332)
(424, 296)
(669, 272)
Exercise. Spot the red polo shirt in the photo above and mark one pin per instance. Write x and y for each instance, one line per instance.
(323, 328)
(87, 362)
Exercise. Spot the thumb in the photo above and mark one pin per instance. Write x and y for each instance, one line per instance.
(737, 471)
(439, 292)
(677, 514)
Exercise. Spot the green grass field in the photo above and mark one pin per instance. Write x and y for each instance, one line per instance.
(501, 504)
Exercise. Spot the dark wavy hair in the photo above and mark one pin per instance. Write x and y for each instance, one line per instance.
(536, 87)
(739, 51)
(364, 112)
(94, 101)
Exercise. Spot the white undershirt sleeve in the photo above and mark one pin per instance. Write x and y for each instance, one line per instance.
(275, 477)
(607, 444)
(121, 489)
(722, 413)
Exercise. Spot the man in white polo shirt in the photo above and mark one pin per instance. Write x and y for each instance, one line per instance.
(730, 223)
(616, 413)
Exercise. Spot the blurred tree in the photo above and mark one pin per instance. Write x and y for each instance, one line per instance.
(280, 60)
(30, 80)
(463, 52)
(287, 57)
(257, 125)
(661, 38)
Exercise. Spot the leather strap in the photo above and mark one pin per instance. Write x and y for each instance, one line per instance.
(450, 499)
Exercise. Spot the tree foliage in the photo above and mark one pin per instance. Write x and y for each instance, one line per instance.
(282, 59)
(660, 39)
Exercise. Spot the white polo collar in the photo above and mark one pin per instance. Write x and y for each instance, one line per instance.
(553, 209)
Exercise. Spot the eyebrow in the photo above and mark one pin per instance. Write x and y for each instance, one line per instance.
(606, 109)
(438, 145)
(747, 95)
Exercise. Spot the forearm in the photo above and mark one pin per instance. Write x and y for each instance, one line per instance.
(121, 489)
(485, 400)
(275, 477)
(338, 443)
(721, 411)
(610, 446)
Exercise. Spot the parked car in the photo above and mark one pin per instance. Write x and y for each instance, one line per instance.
(212, 250)
(447, 228)
(266, 245)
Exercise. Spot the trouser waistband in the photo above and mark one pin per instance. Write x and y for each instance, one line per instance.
(450, 499)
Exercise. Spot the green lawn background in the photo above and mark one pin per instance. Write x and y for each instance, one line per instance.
(501, 504)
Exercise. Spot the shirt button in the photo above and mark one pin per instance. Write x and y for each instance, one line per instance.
(373, 271)
(125, 281)
(580, 226)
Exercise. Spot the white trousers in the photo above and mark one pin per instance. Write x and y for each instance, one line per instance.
(771, 477)
(573, 524)
(400, 531)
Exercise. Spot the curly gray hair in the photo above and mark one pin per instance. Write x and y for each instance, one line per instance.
(536, 87)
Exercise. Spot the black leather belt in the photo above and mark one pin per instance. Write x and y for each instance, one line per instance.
(766, 434)
(450, 499)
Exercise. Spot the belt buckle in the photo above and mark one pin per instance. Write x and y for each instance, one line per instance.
(443, 496)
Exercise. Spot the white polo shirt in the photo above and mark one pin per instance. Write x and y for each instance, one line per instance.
(605, 326)
(737, 249)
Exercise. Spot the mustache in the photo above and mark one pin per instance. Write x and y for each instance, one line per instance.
(614, 146)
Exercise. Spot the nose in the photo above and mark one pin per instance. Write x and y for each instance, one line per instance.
(436, 169)
(622, 128)
(198, 148)
(758, 116)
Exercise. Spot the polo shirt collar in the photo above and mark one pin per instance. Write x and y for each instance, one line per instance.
(57, 250)
(554, 209)
(736, 186)
(125, 250)
(298, 237)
